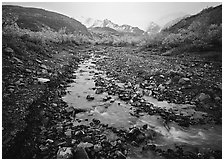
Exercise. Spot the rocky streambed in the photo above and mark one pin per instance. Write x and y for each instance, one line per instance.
(107, 104)
(149, 128)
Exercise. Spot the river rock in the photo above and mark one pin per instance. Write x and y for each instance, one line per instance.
(90, 97)
(80, 153)
(44, 66)
(183, 80)
(161, 87)
(69, 109)
(145, 126)
(203, 97)
(99, 90)
(112, 100)
(9, 50)
(43, 80)
(79, 133)
(84, 145)
(65, 153)
(169, 82)
(68, 133)
(18, 60)
(97, 147)
(106, 98)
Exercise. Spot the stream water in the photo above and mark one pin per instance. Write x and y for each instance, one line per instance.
(118, 114)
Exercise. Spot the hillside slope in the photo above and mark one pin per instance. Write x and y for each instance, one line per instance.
(36, 19)
(212, 15)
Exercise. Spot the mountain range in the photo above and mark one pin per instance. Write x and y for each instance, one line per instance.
(92, 23)
(152, 27)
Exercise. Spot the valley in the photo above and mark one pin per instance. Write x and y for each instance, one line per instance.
(72, 92)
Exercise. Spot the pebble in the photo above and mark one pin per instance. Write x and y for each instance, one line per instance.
(97, 147)
(43, 80)
(90, 97)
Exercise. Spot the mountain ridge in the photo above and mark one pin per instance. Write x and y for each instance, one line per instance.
(35, 19)
(91, 23)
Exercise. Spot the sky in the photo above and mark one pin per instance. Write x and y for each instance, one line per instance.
(137, 14)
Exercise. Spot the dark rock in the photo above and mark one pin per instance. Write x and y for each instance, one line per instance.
(90, 97)
(112, 100)
(106, 98)
(95, 121)
(80, 153)
(99, 90)
(140, 138)
(69, 109)
(145, 126)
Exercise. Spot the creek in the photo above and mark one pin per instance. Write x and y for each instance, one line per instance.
(118, 114)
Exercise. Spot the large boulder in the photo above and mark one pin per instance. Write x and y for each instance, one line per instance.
(203, 97)
(65, 153)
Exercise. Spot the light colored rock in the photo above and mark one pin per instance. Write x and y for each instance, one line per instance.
(43, 80)
(68, 133)
(44, 66)
(184, 80)
(18, 60)
(9, 50)
(65, 153)
(202, 97)
(97, 147)
(84, 145)
(161, 87)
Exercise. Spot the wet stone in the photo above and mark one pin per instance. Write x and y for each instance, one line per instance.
(106, 98)
(90, 97)
(69, 109)
(99, 90)
(145, 126)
